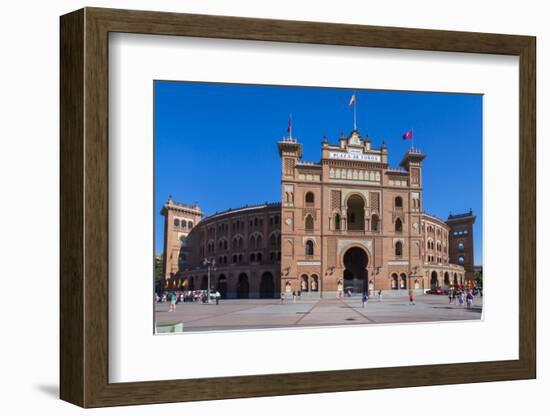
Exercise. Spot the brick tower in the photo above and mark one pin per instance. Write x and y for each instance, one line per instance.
(461, 243)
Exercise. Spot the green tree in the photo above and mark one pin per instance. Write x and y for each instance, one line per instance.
(158, 273)
(479, 279)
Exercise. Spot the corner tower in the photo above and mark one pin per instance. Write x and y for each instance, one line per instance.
(461, 243)
(179, 220)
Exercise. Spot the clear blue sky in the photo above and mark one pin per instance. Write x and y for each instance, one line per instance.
(215, 144)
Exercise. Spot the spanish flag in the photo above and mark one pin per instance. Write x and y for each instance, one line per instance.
(351, 101)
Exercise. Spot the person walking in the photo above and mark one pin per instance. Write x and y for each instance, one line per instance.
(294, 296)
(461, 299)
(379, 295)
(173, 299)
(469, 299)
(282, 297)
(365, 299)
(450, 296)
(411, 297)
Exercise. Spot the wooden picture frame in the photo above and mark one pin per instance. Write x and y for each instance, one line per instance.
(84, 207)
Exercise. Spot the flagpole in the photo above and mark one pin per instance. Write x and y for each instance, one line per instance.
(355, 111)
(290, 127)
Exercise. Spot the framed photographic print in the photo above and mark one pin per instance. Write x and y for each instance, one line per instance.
(255, 207)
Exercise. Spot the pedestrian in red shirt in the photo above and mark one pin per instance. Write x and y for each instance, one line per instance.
(411, 297)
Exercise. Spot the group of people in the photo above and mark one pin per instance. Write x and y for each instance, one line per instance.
(295, 295)
(365, 297)
(461, 297)
(174, 298)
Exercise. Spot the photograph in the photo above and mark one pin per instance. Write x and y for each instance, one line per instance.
(290, 206)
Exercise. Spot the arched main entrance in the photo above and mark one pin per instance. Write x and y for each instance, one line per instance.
(242, 286)
(434, 282)
(267, 286)
(355, 272)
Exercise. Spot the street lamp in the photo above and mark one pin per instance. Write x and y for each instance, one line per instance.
(211, 264)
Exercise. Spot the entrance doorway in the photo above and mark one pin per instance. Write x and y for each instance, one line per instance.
(267, 286)
(355, 272)
(222, 286)
(242, 286)
(434, 282)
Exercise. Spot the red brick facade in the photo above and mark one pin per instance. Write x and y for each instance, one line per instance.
(347, 222)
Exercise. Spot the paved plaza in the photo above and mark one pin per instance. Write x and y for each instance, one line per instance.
(270, 313)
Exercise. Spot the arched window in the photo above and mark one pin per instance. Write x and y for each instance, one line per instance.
(273, 240)
(190, 224)
(398, 225)
(337, 221)
(394, 279)
(398, 202)
(304, 284)
(252, 257)
(259, 256)
(402, 281)
(310, 198)
(461, 259)
(259, 241)
(374, 222)
(461, 245)
(356, 213)
(309, 248)
(252, 242)
(309, 223)
(399, 249)
(176, 223)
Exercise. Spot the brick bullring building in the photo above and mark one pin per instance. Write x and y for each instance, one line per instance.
(349, 221)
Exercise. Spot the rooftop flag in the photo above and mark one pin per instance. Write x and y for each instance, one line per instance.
(289, 128)
(408, 135)
(352, 100)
